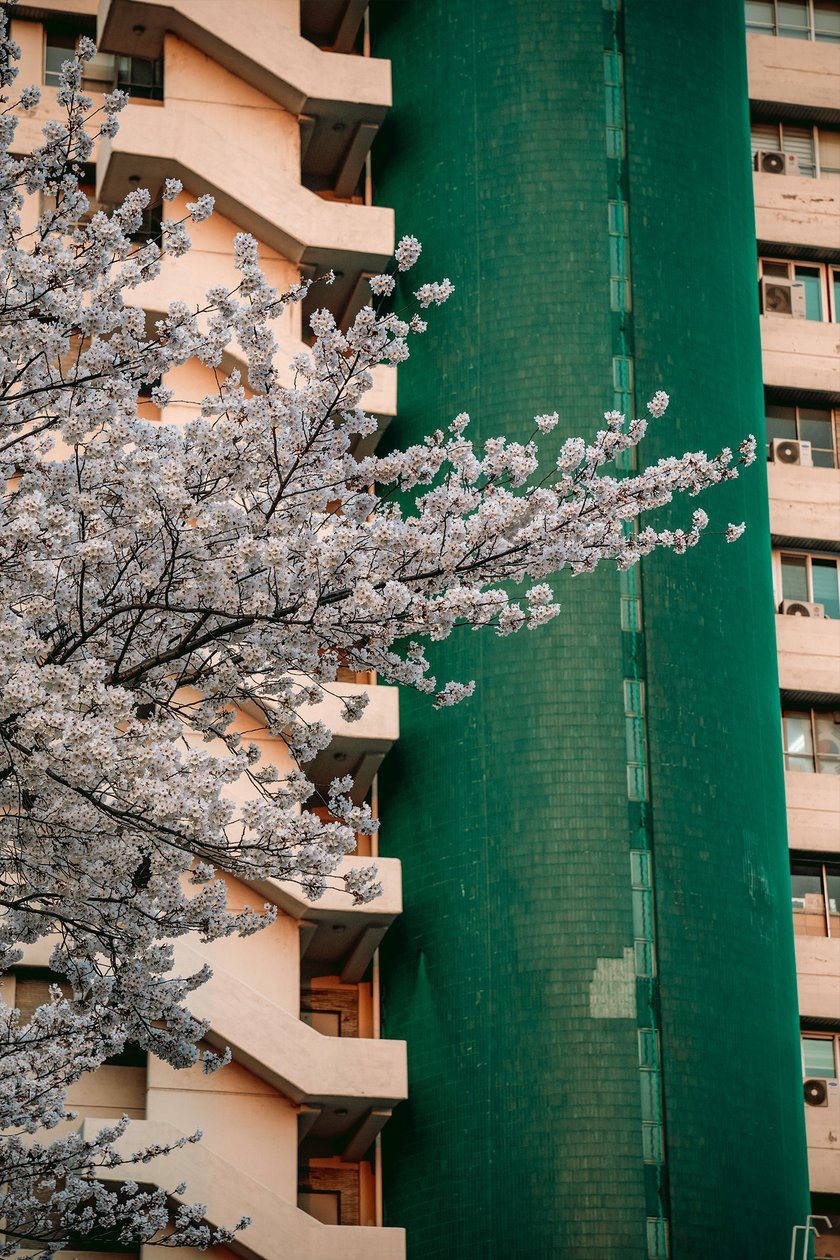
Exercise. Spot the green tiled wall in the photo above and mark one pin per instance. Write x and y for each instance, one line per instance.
(522, 1136)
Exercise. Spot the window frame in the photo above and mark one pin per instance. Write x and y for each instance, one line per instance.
(833, 419)
(817, 134)
(814, 753)
(829, 314)
(821, 866)
(51, 30)
(808, 557)
(811, 29)
(816, 1034)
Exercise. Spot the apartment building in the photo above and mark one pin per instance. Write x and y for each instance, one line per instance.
(594, 968)
(271, 107)
(793, 53)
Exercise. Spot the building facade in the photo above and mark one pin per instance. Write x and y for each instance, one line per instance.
(793, 57)
(594, 971)
(273, 113)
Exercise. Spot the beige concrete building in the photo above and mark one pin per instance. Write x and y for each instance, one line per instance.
(794, 85)
(274, 114)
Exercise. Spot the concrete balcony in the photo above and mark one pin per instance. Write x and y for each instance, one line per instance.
(813, 812)
(818, 976)
(357, 748)
(799, 353)
(228, 1194)
(809, 657)
(249, 188)
(804, 505)
(332, 930)
(822, 1128)
(187, 280)
(343, 98)
(794, 210)
(348, 1083)
(801, 76)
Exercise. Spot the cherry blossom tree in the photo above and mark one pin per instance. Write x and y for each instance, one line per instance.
(159, 579)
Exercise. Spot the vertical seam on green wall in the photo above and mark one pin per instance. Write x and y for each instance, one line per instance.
(631, 608)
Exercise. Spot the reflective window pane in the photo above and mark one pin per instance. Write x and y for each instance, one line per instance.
(794, 577)
(818, 1057)
(792, 18)
(797, 740)
(759, 14)
(805, 881)
(824, 585)
(780, 421)
(832, 884)
(827, 19)
(828, 742)
(812, 280)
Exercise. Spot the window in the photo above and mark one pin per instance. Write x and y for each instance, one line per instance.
(815, 898)
(816, 150)
(819, 1056)
(795, 19)
(812, 578)
(808, 291)
(138, 76)
(808, 424)
(324, 1205)
(811, 740)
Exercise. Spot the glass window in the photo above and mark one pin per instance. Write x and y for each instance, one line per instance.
(815, 425)
(60, 47)
(764, 136)
(792, 19)
(799, 141)
(829, 144)
(818, 1057)
(811, 278)
(806, 892)
(827, 19)
(827, 731)
(832, 888)
(799, 746)
(824, 585)
(781, 421)
(140, 77)
(835, 293)
(760, 16)
(794, 577)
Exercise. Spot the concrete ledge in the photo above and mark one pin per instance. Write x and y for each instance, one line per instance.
(804, 503)
(794, 73)
(813, 810)
(294, 1058)
(794, 210)
(178, 141)
(799, 353)
(809, 655)
(257, 47)
(278, 1227)
(818, 976)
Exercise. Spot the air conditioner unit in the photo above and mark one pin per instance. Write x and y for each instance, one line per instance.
(775, 162)
(801, 608)
(787, 451)
(816, 1093)
(782, 297)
